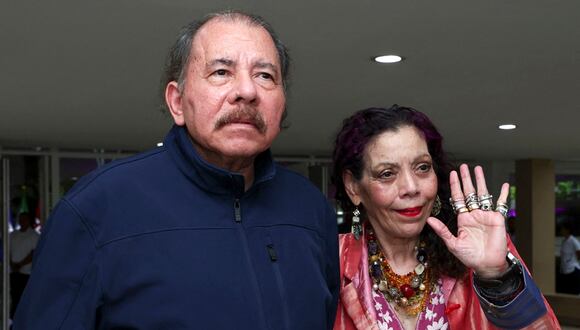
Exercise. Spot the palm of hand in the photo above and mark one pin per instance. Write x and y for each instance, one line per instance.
(481, 242)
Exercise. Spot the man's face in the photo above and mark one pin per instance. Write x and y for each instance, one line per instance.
(233, 98)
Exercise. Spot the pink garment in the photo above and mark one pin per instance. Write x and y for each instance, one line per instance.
(433, 317)
(356, 309)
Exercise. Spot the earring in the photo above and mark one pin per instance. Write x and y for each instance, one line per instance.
(356, 228)
(436, 207)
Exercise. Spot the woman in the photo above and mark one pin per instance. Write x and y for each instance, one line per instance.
(392, 175)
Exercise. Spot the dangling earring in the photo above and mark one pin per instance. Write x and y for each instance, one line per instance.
(356, 228)
(436, 207)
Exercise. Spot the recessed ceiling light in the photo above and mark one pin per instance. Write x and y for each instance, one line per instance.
(507, 126)
(160, 144)
(388, 59)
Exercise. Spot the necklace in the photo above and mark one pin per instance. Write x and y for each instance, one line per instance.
(409, 292)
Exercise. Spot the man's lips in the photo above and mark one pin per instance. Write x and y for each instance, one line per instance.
(410, 212)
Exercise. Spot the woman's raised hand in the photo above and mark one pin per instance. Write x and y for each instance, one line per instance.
(480, 243)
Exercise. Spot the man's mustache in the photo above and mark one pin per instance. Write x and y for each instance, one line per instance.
(246, 115)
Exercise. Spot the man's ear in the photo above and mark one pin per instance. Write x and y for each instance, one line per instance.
(173, 100)
(352, 187)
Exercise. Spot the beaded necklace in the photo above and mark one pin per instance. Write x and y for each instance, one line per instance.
(409, 292)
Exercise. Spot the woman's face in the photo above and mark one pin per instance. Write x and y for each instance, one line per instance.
(398, 184)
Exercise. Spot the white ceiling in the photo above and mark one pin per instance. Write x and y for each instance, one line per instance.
(84, 74)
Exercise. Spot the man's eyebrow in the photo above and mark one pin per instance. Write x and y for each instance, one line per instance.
(220, 61)
(262, 64)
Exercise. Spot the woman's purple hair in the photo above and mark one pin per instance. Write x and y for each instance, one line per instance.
(349, 147)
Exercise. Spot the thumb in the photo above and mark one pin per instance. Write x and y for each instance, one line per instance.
(442, 231)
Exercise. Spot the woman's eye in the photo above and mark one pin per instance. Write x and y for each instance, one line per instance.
(386, 175)
(424, 168)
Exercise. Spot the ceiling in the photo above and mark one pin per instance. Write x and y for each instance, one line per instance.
(80, 74)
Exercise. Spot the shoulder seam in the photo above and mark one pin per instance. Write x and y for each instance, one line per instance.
(81, 219)
(126, 161)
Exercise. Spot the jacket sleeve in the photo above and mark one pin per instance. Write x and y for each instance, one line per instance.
(333, 269)
(63, 290)
(538, 313)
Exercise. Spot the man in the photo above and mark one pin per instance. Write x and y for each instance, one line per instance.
(205, 232)
(569, 256)
(22, 244)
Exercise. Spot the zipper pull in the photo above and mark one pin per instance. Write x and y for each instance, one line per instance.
(237, 211)
(272, 252)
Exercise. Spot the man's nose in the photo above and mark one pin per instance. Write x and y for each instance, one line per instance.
(243, 90)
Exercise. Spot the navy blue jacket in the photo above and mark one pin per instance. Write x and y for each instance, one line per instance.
(164, 240)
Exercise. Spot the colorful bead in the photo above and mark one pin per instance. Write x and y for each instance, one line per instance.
(376, 271)
(373, 248)
(383, 286)
(393, 292)
(407, 290)
(421, 256)
(419, 269)
(415, 282)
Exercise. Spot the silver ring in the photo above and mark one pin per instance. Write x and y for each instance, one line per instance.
(502, 208)
(472, 201)
(486, 205)
(486, 202)
(456, 204)
(471, 198)
(485, 197)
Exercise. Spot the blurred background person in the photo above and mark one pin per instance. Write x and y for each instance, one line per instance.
(569, 255)
(22, 244)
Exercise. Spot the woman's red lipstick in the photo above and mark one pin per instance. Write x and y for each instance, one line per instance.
(410, 212)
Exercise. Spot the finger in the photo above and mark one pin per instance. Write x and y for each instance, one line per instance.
(503, 195)
(456, 193)
(466, 180)
(442, 231)
(480, 181)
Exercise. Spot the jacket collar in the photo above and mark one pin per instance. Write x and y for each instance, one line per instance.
(210, 177)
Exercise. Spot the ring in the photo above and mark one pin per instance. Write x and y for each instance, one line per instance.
(462, 210)
(485, 197)
(502, 208)
(471, 198)
(456, 204)
(473, 206)
(486, 202)
(472, 202)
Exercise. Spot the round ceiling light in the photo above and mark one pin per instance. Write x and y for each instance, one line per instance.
(388, 59)
(507, 126)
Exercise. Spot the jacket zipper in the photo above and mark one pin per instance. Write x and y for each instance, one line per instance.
(237, 211)
(251, 270)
